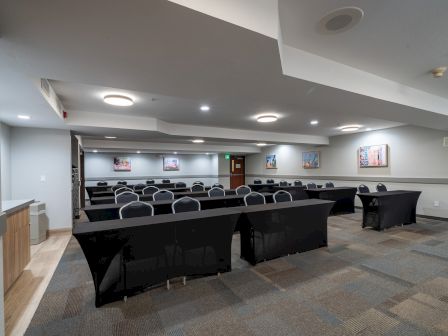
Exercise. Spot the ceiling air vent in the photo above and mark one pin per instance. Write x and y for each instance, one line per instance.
(445, 142)
(45, 86)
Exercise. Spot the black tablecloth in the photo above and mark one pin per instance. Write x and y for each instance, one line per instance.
(297, 192)
(385, 209)
(273, 230)
(174, 190)
(155, 249)
(92, 190)
(344, 198)
(265, 187)
(103, 212)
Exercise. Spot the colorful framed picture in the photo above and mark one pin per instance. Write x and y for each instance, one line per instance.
(122, 164)
(373, 156)
(171, 164)
(310, 160)
(271, 162)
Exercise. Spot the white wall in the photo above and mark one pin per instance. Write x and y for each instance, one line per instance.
(414, 152)
(193, 167)
(5, 162)
(224, 171)
(37, 153)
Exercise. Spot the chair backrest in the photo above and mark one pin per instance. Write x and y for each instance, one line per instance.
(122, 190)
(102, 184)
(218, 185)
(166, 181)
(186, 204)
(136, 209)
(257, 181)
(180, 185)
(139, 186)
(270, 181)
(150, 182)
(117, 186)
(126, 197)
(381, 187)
(311, 185)
(122, 182)
(362, 188)
(329, 185)
(197, 187)
(149, 190)
(254, 198)
(216, 191)
(243, 190)
(199, 182)
(282, 196)
(298, 183)
(163, 195)
(283, 183)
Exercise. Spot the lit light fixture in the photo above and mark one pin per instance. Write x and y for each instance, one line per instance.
(197, 141)
(174, 153)
(261, 144)
(438, 72)
(138, 152)
(368, 129)
(314, 122)
(24, 117)
(205, 108)
(95, 151)
(118, 100)
(267, 118)
(207, 153)
(350, 128)
(110, 137)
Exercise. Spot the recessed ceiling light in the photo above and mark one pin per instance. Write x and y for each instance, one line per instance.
(368, 129)
(261, 144)
(198, 141)
(138, 152)
(174, 152)
(110, 137)
(205, 108)
(350, 128)
(314, 122)
(207, 153)
(267, 118)
(118, 100)
(24, 117)
(95, 151)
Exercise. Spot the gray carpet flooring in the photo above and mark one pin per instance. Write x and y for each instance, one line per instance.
(365, 283)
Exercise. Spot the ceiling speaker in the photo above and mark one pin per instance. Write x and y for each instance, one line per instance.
(340, 20)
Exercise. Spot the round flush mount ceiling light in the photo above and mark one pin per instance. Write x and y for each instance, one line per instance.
(267, 118)
(95, 151)
(438, 72)
(314, 122)
(350, 128)
(110, 137)
(204, 108)
(197, 141)
(23, 117)
(261, 144)
(340, 20)
(118, 100)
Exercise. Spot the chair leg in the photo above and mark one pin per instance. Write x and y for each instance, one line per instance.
(184, 280)
(168, 284)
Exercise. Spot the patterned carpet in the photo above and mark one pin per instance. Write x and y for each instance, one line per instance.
(365, 283)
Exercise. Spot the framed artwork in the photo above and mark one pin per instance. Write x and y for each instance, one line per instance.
(373, 156)
(122, 164)
(271, 162)
(310, 160)
(170, 164)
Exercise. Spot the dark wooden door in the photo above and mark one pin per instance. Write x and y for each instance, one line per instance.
(237, 171)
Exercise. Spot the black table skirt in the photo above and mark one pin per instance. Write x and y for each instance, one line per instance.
(111, 193)
(263, 187)
(93, 189)
(127, 256)
(385, 209)
(344, 198)
(274, 230)
(297, 192)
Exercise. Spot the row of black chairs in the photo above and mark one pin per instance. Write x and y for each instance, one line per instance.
(362, 188)
(149, 182)
(297, 183)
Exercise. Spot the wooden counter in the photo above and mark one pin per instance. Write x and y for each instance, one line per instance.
(16, 240)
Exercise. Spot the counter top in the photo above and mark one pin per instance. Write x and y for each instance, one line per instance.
(15, 205)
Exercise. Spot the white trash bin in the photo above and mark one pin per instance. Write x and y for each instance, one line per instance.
(38, 223)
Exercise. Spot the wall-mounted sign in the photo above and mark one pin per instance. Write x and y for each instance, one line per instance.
(227, 156)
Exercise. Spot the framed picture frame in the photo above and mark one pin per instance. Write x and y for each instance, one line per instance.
(171, 164)
(373, 156)
(271, 161)
(122, 163)
(311, 160)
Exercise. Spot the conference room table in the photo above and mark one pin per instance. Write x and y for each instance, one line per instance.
(265, 187)
(297, 192)
(382, 210)
(344, 198)
(147, 198)
(111, 193)
(91, 189)
(270, 231)
(103, 212)
(127, 256)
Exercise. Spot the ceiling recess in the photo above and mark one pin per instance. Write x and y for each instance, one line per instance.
(340, 20)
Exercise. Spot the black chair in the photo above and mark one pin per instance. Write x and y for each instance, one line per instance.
(282, 196)
(270, 181)
(254, 198)
(122, 182)
(197, 187)
(117, 186)
(102, 184)
(283, 183)
(186, 204)
(297, 183)
(162, 195)
(216, 191)
(257, 181)
(218, 185)
(199, 182)
(136, 209)
(166, 181)
(149, 182)
(381, 187)
(311, 185)
(122, 190)
(243, 190)
(139, 186)
(362, 188)
(180, 185)
(149, 190)
(329, 185)
(126, 197)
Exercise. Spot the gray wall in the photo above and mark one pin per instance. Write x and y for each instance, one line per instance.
(416, 158)
(5, 162)
(37, 153)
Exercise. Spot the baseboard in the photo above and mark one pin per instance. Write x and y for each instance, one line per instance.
(60, 230)
(443, 219)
